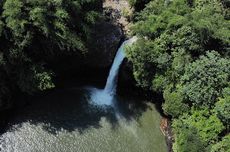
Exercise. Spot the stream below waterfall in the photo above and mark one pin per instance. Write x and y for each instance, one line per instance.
(86, 119)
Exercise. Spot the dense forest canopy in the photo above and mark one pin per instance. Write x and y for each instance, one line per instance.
(183, 53)
(31, 32)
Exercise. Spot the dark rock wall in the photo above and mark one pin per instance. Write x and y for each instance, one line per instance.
(105, 40)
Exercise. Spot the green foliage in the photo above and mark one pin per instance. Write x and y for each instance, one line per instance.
(32, 32)
(13, 14)
(207, 124)
(53, 19)
(196, 131)
(188, 140)
(173, 50)
(174, 101)
(209, 21)
(142, 61)
(222, 108)
(206, 24)
(223, 145)
(183, 52)
(205, 78)
(36, 77)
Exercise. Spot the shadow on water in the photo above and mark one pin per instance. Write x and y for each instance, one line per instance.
(69, 110)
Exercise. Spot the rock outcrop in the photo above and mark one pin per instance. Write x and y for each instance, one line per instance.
(119, 12)
(105, 40)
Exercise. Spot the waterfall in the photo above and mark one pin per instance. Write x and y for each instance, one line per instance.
(106, 95)
(111, 83)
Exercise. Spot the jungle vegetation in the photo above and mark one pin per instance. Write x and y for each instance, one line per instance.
(183, 53)
(34, 31)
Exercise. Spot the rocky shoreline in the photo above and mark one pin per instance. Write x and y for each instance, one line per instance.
(166, 129)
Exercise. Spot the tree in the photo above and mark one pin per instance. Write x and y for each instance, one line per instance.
(187, 139)
(223, 145)
(205, 78)
(222, 108)
(208, 125)
(183, 52)
(174, 103)
(167, 30)
(33, 32)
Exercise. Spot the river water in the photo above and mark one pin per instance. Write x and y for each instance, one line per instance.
(63, 121)
(86, 119)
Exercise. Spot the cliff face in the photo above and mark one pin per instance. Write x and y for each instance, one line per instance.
(106, 37)
(119, 13)
(105, 41)
(108, 34)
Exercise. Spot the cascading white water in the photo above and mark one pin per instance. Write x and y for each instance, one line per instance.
(106, 96)
(111, 83)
